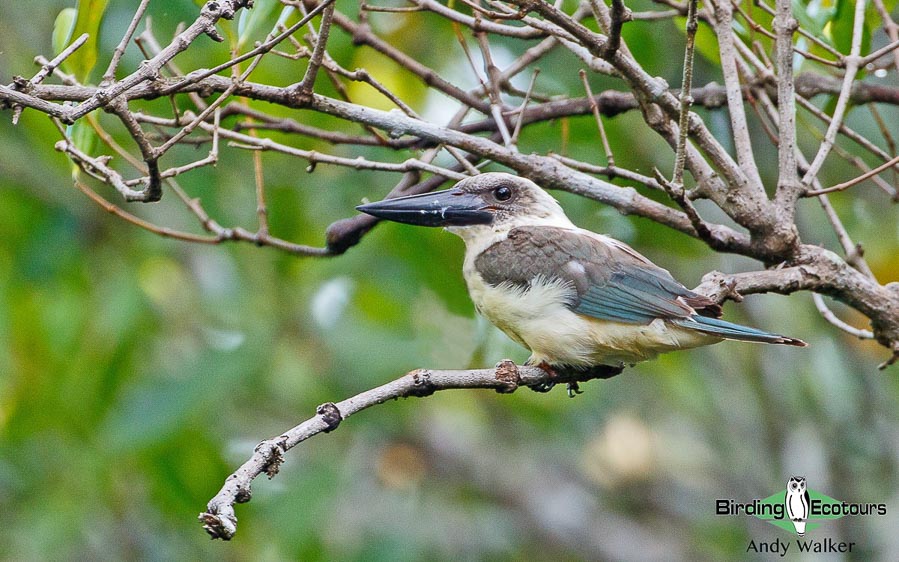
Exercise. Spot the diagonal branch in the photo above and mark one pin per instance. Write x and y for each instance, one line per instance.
(46, 70)
(852, 65)
(210, 14)
(219, 519)
(109, 75)
(318, 53)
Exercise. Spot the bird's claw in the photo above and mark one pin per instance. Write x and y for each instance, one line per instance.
(574, 389)
(543, 386)
(551, 375)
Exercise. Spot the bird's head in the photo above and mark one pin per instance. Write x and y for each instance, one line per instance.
(494, 201)
(796, 484)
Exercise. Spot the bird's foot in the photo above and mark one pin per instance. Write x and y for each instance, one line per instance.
(551, 374)
(574, 389)
(580, 374)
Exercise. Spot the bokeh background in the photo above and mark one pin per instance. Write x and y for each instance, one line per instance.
(137, 372)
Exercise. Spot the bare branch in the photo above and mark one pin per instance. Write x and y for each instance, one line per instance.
(739, 126)
(852, 66)
(219, 519)
(788, 185)
(618, 15)
(854, 181)
(891, 28)
(318, 53)
(832, 318)
(109, 75)
(680, 157)
(97, 168)
(46, 70)
(210, 14)
(610, 158)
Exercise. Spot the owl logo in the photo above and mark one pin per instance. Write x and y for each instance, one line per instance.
(797, 503)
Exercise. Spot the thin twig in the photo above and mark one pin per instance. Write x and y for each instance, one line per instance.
(318, 52)
(805, 33)
(128, 217)
(891, 28)
(844, 130)
(686, 100)
(874, 55)
(755, 26)
(611, 172)
(854, 181)
(832, 318)
(260, 49)
(97, 168)
(519, 117)
(852, 66)
(610, 158)
(618, 15)
(109, 75)
(855, 253)
(855, 161)
(389, 9)
(47, 69)
(492, 87)
(679, 195)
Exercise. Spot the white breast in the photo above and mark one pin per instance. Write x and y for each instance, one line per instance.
(539, 319)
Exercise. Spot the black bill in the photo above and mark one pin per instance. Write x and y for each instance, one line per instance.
(451, 207)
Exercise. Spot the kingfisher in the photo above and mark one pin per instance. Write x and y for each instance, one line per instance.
(578, 300)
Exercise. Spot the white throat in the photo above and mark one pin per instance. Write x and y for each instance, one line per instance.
(481, 236)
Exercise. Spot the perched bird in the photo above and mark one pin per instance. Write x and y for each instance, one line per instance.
(576, 299)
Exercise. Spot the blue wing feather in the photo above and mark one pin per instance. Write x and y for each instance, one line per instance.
(633, 295)
(729, 330)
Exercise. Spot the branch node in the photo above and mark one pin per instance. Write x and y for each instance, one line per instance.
(508, 376)
(422, 385)
(219, 526)
(893, 358)
(273, 461)
(719, 287)
(244, 494)
(214, 34)
(330, 414)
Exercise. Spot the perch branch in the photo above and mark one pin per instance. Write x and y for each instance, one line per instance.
(219, 519)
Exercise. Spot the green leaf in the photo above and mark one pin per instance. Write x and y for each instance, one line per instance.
(90, 14)
(813, 16)
(841, 25)
(251, 20)
(63, 28)
(84, 137)
(706, 43)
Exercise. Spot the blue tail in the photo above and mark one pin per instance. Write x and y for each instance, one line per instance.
(730, 331)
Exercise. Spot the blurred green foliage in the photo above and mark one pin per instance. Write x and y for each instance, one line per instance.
(137, 372)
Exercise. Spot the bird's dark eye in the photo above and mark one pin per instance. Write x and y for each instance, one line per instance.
(502, 193)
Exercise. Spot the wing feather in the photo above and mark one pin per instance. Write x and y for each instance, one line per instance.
(611, 281)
